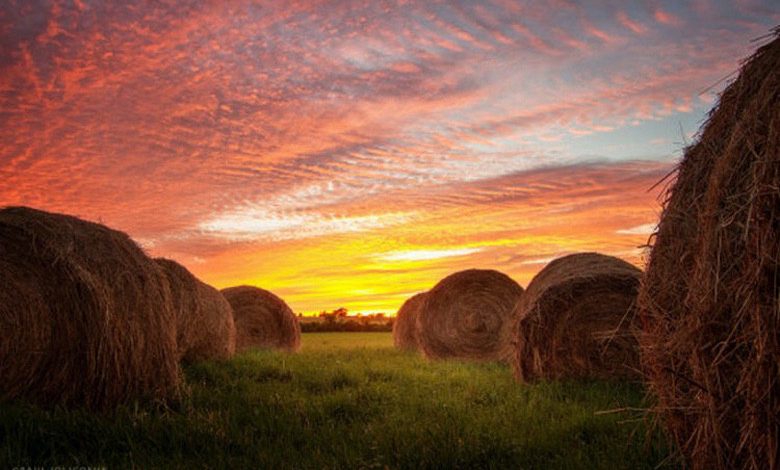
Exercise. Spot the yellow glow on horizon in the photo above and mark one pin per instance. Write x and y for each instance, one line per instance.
(376, 270)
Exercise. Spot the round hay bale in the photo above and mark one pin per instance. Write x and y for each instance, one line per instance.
(263, 320)
(85, 315)
(466, 316)
(575, 320)
(709, 304)
(204, 319)
(24, 325)
(405, 325)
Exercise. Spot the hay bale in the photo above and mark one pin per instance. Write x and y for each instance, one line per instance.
(263, 320)
(85, 315)
(575, 320)
(466, 315)
(24, 325)
(204, 319)
(709, 304)
(405, 325)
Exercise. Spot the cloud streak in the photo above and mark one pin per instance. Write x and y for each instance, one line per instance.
(644, 229)
(259, 225)
(426, 255)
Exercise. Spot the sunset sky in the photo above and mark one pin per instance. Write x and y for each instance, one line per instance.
(354, 153)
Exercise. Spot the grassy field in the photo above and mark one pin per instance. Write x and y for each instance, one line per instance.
(347, 400)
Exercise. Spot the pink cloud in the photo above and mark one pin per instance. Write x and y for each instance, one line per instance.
(632, 25)
(666, 18)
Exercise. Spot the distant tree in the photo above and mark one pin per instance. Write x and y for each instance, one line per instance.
(340, 312)
(340, 320)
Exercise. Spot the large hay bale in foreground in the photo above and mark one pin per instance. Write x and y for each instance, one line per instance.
(85, 315)
(709, 305)
(204, 319)
(466, 315)
(263, 320)
(575, 320)
(405, 324)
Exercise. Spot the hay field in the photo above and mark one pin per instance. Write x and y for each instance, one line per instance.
(346, 400)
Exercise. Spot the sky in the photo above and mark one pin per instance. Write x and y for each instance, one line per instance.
(350, 154)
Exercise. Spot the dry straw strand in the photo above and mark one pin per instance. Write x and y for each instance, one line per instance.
(85, 315)
(576, 320)
(262, 319)
(709, 304)
(466, 316)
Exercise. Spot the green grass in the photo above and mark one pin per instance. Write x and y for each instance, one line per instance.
(347, 400)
